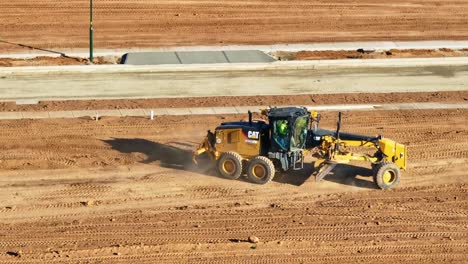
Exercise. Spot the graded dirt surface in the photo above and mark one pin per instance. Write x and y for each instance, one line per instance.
(145, 23)
(315, 99)
(124, 190)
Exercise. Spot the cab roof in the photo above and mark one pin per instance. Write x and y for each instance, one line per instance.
(287, 112)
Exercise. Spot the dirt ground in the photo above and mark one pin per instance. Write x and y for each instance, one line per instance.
(46, 61)
(123, 190)
(316, 99)
(124, 23)
(365, 54)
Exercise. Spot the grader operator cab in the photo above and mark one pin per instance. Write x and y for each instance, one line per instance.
(258, 149)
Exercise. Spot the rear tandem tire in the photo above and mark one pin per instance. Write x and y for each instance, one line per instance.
(386, 175)
(261, 170)
(230, 165)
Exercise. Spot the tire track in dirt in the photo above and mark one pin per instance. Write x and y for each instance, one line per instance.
(157, 210)
(130, 24)
(85, 140)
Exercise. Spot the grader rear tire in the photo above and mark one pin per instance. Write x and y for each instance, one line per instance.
(261, 170)
(230, 165)
(386, 175)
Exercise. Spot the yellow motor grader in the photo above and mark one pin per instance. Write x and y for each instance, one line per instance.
(257, 148)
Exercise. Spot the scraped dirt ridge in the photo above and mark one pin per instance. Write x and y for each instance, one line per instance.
(51, 61)
(315, 99)
(147, 23)
(123, 190)
(369, 54)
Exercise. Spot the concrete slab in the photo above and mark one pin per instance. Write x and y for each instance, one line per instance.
(245, 109)
(196, 57)
(27, 102)
(406, 106)
(247, 56)
(455, 106)
(11, 115)
(156, 111)
(35, 115)
(340, 107)
(132, 112)
(178, 111)
(387, 107)
(202, 111)
(202, 57)
(61, 114)
(111, 112)
(84, 113)
(428, 44)
(150, 58)
(225, 110)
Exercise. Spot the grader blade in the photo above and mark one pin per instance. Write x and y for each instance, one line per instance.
(324, 171)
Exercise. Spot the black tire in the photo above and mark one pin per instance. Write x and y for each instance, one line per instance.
(374, 167)
(230, 165)
(386, 175)
(261, 170)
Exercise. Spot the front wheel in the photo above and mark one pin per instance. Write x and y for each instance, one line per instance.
(230, 165)
(260, 170)
(386, 175)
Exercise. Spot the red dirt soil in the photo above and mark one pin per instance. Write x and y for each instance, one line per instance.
(316, 99)
(124, 23)
(388, 54)
(49, 61)
(123, 190)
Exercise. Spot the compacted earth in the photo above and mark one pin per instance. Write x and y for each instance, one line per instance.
(46, 24)
(121, 190)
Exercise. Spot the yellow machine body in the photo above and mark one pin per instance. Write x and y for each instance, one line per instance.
(391, 150)
(256, 142)
(235, 140)
(394, 152)
(230, 140)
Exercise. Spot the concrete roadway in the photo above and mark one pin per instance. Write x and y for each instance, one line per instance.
(97, 84)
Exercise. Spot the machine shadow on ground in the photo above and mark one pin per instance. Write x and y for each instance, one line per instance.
(347, 174)
(167, 155)
(343, 174)
(178, 155)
